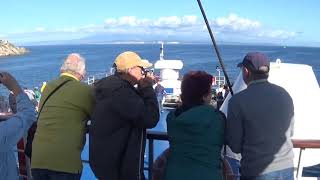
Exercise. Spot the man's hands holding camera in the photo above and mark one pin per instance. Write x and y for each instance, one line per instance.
(10, 82)
(147, 80)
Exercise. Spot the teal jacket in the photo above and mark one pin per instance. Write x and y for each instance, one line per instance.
(196, 138)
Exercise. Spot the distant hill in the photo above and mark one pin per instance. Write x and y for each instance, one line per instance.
(8, 49)
(105, 38)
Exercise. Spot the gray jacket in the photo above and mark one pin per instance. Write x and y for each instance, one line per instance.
(259, 126)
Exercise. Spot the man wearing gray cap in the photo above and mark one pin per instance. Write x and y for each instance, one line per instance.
(260, 123)
(121, 116)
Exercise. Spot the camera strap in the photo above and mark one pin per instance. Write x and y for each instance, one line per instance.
(52, 92)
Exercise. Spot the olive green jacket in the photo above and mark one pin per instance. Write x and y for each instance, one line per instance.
(60, 135)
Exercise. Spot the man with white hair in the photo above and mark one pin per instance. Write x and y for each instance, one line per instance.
(65, 106)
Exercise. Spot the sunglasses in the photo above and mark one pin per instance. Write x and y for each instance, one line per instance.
(143, 71)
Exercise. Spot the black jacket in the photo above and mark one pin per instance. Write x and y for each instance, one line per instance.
(118, 128)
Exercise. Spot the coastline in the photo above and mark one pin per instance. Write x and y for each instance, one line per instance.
(8, 49)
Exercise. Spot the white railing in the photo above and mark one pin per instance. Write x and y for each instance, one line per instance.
(93, 78)
(220, 80)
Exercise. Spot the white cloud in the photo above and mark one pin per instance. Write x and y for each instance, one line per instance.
(68, 30)
(174, 25)
(128, 20)
(110, 21)
(90, 28)
(236, 23)
(189, 27)
(161, 22)
(245, 28)
(278, 34)
(40, 29)
(171, 21)
(190, 19)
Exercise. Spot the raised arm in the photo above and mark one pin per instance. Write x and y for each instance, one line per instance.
(12, 130)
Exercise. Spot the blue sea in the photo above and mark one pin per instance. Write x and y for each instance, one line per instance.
(43, 64)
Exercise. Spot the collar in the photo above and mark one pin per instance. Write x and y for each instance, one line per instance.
(125, 79)
(69, 75)
(257, 81)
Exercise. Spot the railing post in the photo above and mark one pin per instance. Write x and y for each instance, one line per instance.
(150, 160)
(299, 161)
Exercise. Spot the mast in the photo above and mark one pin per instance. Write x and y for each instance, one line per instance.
(161, 52)
(215, 46)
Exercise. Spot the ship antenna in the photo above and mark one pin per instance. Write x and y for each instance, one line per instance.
(215, 46)
(161, 52)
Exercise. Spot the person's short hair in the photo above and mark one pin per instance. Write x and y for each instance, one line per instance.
(74, 63)
(195, 85)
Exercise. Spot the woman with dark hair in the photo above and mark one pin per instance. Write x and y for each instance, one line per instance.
(196, 132)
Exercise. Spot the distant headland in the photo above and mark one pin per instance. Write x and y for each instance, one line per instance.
(8, 49)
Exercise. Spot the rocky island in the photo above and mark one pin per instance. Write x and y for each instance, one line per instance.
(8, 49)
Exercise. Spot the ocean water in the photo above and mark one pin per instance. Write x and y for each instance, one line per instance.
(43, 64)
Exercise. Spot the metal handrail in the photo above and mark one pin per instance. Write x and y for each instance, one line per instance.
(151, 136)
(163, 136)
(157, 135)
(303, 144)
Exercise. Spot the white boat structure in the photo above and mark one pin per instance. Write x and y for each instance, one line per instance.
(169, 78)
(300, 82)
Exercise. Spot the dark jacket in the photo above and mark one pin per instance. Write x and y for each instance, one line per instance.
(117, 132)
(259, 126)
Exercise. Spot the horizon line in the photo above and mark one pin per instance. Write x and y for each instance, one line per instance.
(33, 44)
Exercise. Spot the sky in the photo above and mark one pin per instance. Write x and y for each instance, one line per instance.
(282, 22)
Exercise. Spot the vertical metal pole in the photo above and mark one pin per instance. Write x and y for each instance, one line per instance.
(219, 78)
(215, 46)
(298, 168)
(150, 159)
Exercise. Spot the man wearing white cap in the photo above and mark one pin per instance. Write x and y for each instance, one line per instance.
(121, 116)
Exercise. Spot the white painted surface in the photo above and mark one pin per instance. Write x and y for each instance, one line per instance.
(300, 82)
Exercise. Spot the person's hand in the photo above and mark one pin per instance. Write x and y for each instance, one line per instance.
(147, 81)
(10, 82)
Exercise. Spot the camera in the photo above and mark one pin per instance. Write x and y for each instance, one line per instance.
(146, 71)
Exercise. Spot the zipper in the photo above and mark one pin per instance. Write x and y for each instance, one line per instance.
(140, 157)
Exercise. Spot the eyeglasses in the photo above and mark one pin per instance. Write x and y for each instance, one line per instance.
(143, 71)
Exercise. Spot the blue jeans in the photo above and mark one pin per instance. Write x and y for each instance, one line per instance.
(45, 174)
(311, 171)
(285, 174)
(235, 165)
